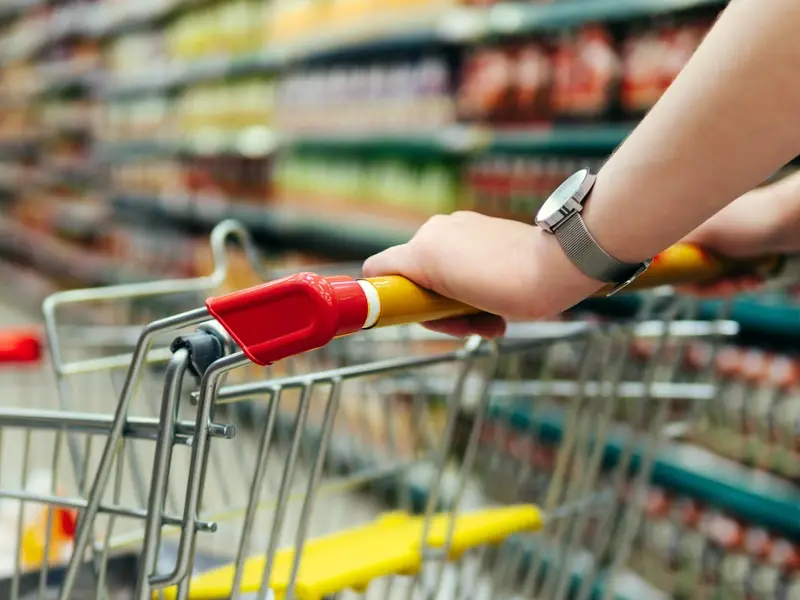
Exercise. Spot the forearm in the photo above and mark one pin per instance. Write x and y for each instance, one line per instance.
(783, 199)
(726, 124)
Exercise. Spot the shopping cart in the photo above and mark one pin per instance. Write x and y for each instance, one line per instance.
(362, 466)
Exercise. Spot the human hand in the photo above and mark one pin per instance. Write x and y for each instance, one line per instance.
(508, 269)
(762, 222)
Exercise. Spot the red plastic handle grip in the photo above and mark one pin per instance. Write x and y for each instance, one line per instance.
(289, 316)
(20, 346)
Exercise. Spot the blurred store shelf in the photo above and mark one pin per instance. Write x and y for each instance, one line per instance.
(9, 10)
(373, 35)
(750, 494)
(14, 150)
(271, 227)
(168, 77)
(117, 18)
(60, 260)
(449, 141)
(249, 142)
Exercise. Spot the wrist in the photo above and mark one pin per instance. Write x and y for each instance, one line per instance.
(786, 231)
(611, 218)
(555, 280)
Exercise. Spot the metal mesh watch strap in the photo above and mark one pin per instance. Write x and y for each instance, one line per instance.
(588, 256)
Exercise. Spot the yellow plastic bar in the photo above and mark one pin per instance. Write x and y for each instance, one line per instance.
(352, 559)
(686, 264)
(402, 301)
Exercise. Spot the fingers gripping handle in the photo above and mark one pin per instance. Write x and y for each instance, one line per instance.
(303, 312)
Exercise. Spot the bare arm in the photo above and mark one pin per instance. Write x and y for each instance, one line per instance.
(730, 120)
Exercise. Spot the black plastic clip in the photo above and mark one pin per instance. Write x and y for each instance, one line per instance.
(204, 349)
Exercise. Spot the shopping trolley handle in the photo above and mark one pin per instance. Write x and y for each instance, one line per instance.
(302, 312)
(20, 346)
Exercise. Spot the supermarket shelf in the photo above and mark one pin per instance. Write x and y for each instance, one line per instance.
(60, 260)
(171, 77)
(271, 227)
(468, 139)
(452, 140)
(563, 140)
(58, 80)
(764, 321)
(456, 140)
(9, 10)
(142, 14)
(250, 142)
(754, 496)
(512, 19)
(14, 150)
(453, 25)
(112, 21)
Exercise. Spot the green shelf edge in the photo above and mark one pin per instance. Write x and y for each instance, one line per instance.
(760, 498)
(562, 139)
(509, 19)
(455, 141)
(270, 226)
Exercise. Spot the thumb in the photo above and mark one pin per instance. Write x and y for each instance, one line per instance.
(397, 260)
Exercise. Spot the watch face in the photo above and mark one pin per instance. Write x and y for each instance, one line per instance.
(562, 195)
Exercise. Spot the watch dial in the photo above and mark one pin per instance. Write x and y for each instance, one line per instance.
(562, 194)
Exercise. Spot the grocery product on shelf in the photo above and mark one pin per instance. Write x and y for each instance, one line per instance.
(149, 119)
(514, 187)
(587, 70)
(653, 55)
(375, 97)
(217, 29)
(405, 189)
(570, 77)
(506, 84)
(137, 54)
(295, 23)
(225, 110)
(694, 550)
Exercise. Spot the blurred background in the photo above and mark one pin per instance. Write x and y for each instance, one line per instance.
(332, 129)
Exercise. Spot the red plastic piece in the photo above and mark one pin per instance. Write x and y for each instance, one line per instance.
(68, 520)
(290, 316)
(20, 346)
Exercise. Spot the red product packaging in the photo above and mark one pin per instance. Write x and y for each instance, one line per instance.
(486, 83)
(652, 59)
(533, 84)
(587, 70)
(642, 80)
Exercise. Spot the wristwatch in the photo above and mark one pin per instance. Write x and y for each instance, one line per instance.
(560, 216)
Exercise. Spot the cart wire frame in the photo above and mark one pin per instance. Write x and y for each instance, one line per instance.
(584, 375)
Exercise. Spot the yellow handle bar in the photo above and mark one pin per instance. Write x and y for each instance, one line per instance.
(401, 301)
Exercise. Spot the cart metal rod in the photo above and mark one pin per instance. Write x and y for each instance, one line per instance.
(569, 331)
(135, 427)
(119, 361)
(103, 471)
(627, 390)
(120, 511)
